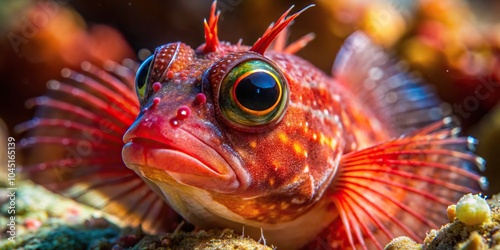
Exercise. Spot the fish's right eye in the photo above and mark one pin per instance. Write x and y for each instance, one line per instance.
(142, 77)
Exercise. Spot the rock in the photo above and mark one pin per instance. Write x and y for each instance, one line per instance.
(45, 220)
(459, 235)
(403, 243)
(211, 239)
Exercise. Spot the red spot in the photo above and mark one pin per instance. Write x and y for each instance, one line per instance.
(174, 123)
(156, 100)
(183, 112)
(170, 74)
(156, 86)
(200, 98)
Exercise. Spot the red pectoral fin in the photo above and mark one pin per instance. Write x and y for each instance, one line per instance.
(73, 145)
(403, 186)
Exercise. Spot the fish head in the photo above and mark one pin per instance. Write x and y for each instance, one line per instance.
(229, 134)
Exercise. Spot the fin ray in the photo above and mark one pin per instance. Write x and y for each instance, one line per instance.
(383, 188)
(395, 96)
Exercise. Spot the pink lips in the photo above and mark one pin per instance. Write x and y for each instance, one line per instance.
(181, 155)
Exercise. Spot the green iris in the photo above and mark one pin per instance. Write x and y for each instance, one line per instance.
(142, 78)
(253, 93)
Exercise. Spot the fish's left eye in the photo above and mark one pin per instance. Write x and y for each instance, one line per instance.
(142, 77)
(253, 93)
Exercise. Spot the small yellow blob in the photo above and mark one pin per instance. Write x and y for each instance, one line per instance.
(473, 210)
(283, 137)
(284, 205)
(451, 212)
(271, 182)
(298, 148)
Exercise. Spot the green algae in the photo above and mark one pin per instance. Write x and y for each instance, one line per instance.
(44, 220)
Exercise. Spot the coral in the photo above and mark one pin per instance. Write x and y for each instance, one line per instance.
(472, 210)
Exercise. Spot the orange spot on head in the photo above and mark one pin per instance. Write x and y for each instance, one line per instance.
(306, 169)
(283, 137)
(284, 205)
(297, 148)
(276, 165)
(315, 136)
(324, 140)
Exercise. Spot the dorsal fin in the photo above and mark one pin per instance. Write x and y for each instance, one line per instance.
(280, 43)
(403, 101)
(211, 34)
(274, 30)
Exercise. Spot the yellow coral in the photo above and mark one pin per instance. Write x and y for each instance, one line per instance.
(473, 210)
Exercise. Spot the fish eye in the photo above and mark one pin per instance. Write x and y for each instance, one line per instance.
(142, 77)
(257, 91)
(253, 93)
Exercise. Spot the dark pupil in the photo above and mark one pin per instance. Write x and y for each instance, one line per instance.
(258, 91)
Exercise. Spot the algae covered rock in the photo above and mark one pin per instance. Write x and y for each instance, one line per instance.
(45, 220)
(211, 239)
(403, 242)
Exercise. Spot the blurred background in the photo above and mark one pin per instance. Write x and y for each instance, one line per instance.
(452, 44)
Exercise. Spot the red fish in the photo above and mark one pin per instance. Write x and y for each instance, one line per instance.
(255, 138)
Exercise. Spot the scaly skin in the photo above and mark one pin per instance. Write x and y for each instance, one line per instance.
(260, 177)
(267, 177)
(305, 162)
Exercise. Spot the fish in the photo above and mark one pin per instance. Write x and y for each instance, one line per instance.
(256, 139)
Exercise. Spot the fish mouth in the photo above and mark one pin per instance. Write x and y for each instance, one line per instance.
(180, 156)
